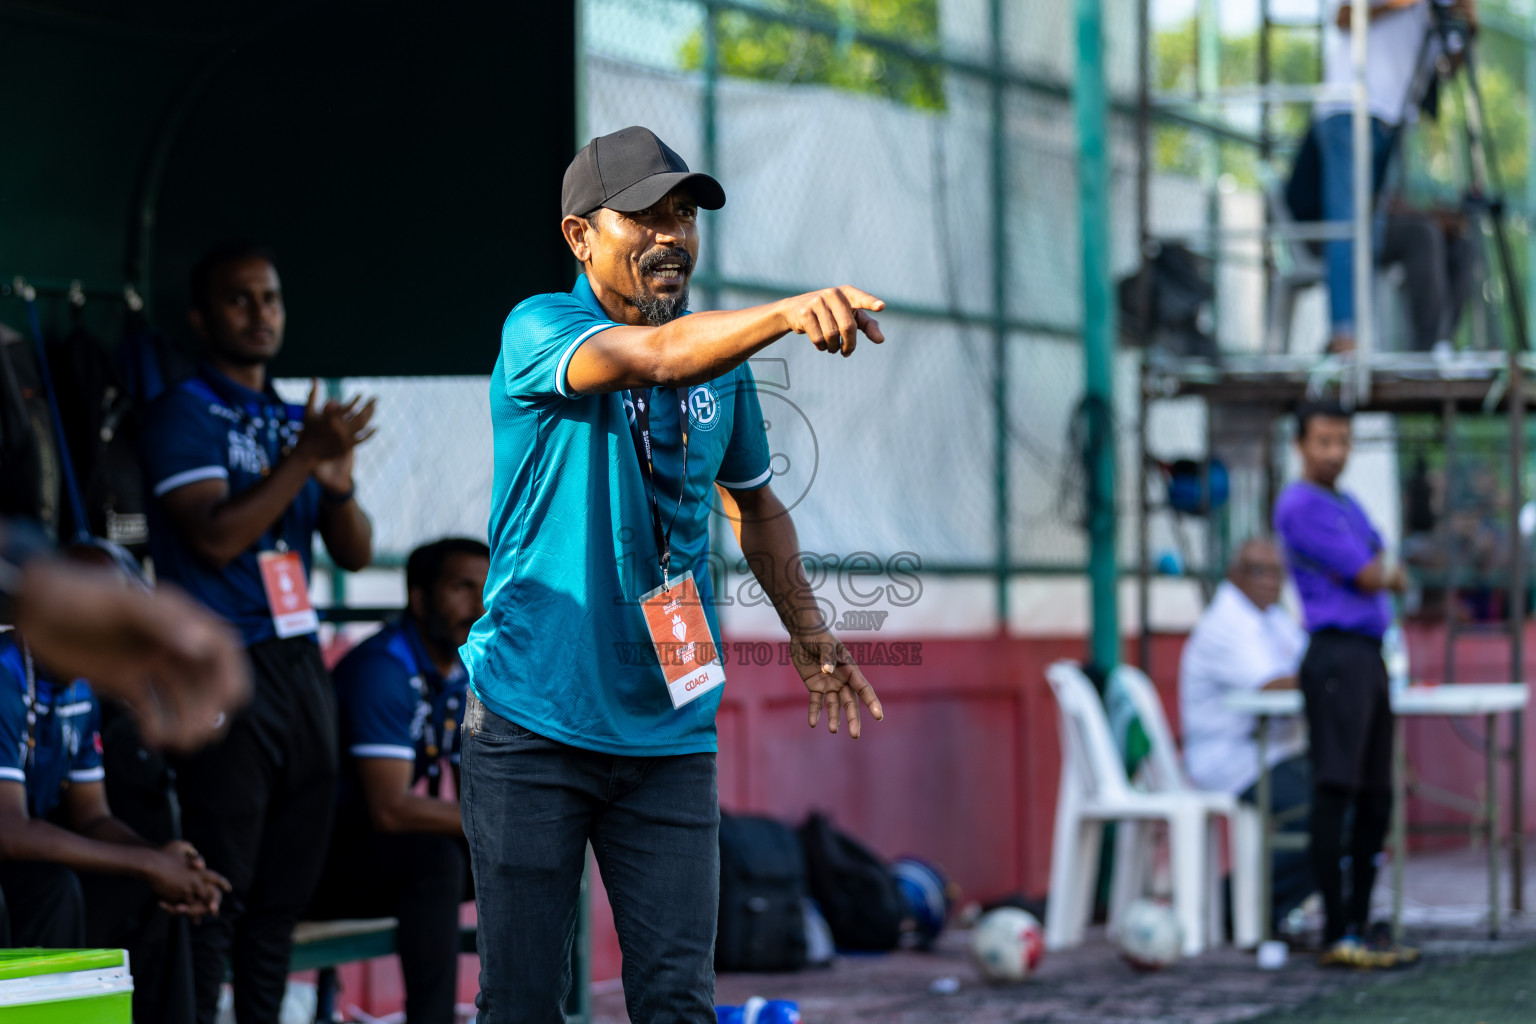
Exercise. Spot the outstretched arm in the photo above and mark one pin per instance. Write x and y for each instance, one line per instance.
(772, 549)
(703, 346)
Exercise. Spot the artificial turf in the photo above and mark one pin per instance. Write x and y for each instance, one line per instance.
(1497, 988)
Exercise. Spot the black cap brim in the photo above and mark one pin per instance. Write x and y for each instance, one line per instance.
(706, 191)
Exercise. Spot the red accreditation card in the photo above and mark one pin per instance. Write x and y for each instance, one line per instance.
(282, 574)
(684, 645)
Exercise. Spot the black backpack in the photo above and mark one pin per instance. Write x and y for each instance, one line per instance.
(100, 417)
(762, 884)
(855, 888)
(29, 466)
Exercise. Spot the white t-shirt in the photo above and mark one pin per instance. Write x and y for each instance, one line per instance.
(1236, 645)
(1393, 46)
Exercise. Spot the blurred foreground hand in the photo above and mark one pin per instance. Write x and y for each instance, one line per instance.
(180, 669)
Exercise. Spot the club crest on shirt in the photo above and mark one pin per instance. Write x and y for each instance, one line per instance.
(245, 453)
(71, 738)
(704, 407)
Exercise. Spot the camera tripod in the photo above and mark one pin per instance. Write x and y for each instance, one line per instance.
(1448, 56)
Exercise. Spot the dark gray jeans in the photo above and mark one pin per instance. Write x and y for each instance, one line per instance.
(1292, 880)
(530, 807)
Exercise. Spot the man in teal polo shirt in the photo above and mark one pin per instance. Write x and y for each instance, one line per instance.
(594, 674)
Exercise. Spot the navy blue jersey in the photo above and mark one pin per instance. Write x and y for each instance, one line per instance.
(392, 702)
(66, 734)
(210, 428)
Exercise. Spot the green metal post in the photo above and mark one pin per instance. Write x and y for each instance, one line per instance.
(710, 243)
(1091, 108)
(580, 82)
(1208, 84)
(712, 240)
(1000, 313)
(1530, 163)
(1143, 314)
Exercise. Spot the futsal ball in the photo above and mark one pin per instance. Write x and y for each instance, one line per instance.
(1148, 935)
(926, 895)
(1007, 944)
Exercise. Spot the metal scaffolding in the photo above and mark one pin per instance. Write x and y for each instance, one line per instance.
(1247, 397)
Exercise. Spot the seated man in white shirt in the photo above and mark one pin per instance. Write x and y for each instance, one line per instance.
(1246, 641)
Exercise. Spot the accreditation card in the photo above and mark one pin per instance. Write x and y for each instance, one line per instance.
(282, 576)
(684, 645)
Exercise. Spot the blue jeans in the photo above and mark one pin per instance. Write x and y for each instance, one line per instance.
(1293, 880)
(530, 807)
(1336, 152)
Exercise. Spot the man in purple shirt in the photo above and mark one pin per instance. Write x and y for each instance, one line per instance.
(1336, 560)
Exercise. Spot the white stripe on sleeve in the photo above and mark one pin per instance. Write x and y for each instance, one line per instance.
(747, 485)
(565, 360)
(383, 750)
(190, 476)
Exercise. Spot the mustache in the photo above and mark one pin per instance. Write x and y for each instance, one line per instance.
(652, 260)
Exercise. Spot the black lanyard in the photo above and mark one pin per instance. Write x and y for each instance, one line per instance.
(32, 704)
(640, 430)
(437, 739)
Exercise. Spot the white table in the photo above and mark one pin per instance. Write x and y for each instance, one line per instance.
(1488, 700)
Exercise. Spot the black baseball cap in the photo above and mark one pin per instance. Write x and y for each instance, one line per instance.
(628, 171)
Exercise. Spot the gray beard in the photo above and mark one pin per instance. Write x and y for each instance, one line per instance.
(656, 311)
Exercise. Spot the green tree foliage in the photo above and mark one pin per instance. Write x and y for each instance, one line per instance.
(1436, 149)
(754, 47)
(1294, 60)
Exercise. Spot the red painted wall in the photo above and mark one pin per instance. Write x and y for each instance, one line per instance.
(1440, 754)
(964, 769)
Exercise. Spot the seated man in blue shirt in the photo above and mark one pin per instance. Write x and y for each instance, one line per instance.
(72, 874)
(400, 697)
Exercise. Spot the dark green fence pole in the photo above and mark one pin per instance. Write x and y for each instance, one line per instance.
(1091, 108)
(1000, 312)
(712, 241)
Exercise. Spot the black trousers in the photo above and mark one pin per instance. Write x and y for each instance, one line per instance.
(1439, 268)
(258, 806)
(1349, 716)
(420, 879)
(51, 906)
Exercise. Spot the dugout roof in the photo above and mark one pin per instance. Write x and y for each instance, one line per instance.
(404, 161)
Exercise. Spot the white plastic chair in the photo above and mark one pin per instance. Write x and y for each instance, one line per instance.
(1164, 773)
(1094, 790)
